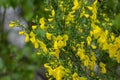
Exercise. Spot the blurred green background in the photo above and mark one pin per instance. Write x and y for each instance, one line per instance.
(20, 63)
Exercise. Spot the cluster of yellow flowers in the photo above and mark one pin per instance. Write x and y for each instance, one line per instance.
(57, 72)
(73, 38)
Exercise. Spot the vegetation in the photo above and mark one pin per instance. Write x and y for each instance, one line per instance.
(77, 40)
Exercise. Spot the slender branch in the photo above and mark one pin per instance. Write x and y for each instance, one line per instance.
(2, 25)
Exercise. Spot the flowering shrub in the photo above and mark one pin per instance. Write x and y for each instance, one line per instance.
(77, 39)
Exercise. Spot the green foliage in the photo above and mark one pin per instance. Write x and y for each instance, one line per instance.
(29, 8)
(116, 23)
(15, 63)
(76, 37)
(110, 7)
(21, 64)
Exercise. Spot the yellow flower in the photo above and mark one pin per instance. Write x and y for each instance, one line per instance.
(107, 19)
(32, 34)
(48, 36)
(86, 61)
(46, 9)
(38, 53)
(112, 37)
(90, 8)
(96, 31)
(26, 37)
(36, 44)
(102, 39)
(53, 12)
(103, 69)
(82, 13)
(80, 30)
(89, 40)
(110, 24)
(55, 45)
(21, 32)
(93, 58)
(59, 73)
(12, 24)
(102, 64)
(64, 43)
(42, 27)
(53, 54)
(86, 15)
(91, 33)
(61, 6)
(34, 27)
(57, 52)
(81, 54)
(65, 37)
(82, 44)
(46, 65)
(92, 74)
(70, 63)
(33, 39)
(117, 42)
(92, 65)
(60, 44)
(50, 71)
(82, 78)
(43, 46)
(59, 37)
(105, 46)
(70, 17)
(118, 57)
(42, 23)
(112, 50)
(93, 46)
(50, 19)
(75, 76)
(76, 5)
(93, 8)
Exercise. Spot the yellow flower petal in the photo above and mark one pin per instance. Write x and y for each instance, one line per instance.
(21, 32)
(12, 24)
(34, 27)
(48, 36)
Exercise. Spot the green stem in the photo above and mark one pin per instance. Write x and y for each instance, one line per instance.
(2, 26)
